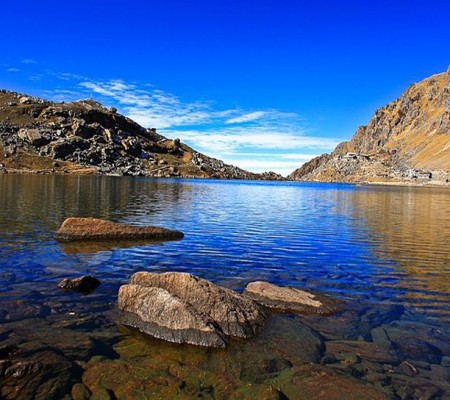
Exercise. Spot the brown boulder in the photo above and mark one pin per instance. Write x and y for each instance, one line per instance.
(289, 299)
(97, 229)
(158, 313)
(183, 308)
(235, 314)
(32, 136)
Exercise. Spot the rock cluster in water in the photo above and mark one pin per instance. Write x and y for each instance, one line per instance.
(88, 229)
(182, 308)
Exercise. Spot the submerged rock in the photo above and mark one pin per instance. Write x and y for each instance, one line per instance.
(183, 308)
(98, 229)
(342, 349)
(84, 284)
(289, 299)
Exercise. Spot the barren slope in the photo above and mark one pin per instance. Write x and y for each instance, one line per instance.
(407, 140)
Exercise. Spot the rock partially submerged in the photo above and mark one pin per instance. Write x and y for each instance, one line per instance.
(289, 299)
(162, 315)
(83, 284)
(88, 229)
(183, 308)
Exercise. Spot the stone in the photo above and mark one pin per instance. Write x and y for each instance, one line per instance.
(83, 284)
(183, 308)
(158, 313)
(19, 309)
(65, 147)
(81, 129)
(235, 314)
(289, 299)
(45, 375)
(32, 136)
(269, 369)
(25, 100)
(80, 392)
(88, 229)
(341, 349)
(288, 337)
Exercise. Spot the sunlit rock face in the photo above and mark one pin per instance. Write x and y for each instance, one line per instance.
(405, 141)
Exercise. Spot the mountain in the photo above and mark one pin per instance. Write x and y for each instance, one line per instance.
(408, 140)
(84, 137)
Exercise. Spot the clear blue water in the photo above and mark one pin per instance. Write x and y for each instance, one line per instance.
(369, 246)
(370, 243)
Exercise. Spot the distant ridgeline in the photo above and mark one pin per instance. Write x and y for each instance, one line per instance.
(86, 138)
(406, 141)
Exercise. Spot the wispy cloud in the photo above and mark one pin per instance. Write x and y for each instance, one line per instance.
(12, 69)
(152, 107)
(243, 137)
(262, 137)
(28, 61)
(252, 116)
(254, 139)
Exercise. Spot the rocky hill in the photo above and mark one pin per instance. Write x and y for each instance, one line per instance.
(406, 141)
(84, 137)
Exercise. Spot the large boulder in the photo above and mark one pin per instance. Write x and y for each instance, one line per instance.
(289, 299)
(183, 308)
(98, 229)
(32, 136)
(162, 315)
(65, 147)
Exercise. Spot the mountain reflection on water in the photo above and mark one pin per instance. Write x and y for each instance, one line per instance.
(413, 227)
(383, 250)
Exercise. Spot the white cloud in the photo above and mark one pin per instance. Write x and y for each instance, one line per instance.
(281, 167)
(152, 108)
(29, 61)
(246, 117)
(245, 138)
(257, 140)
(13, 70)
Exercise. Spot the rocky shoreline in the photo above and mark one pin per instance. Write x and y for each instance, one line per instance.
(376, 352)
(84, 137)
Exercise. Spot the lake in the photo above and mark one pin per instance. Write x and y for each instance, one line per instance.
(384, 251)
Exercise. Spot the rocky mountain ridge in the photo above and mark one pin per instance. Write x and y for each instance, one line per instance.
(408, 140)
(84, 137)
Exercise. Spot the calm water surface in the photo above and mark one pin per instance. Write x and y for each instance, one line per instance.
(368, 246)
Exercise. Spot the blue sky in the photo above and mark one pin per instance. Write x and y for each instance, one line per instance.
(265, 85)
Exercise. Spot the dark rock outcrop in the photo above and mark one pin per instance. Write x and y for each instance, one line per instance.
(79, 229)
(83, 284)
(183, 308)
(91, 138)
(289, 299)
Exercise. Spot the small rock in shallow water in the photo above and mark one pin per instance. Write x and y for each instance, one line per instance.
(83, 284)
(289, 299)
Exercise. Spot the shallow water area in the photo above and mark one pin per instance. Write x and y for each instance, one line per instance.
(383, 251)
